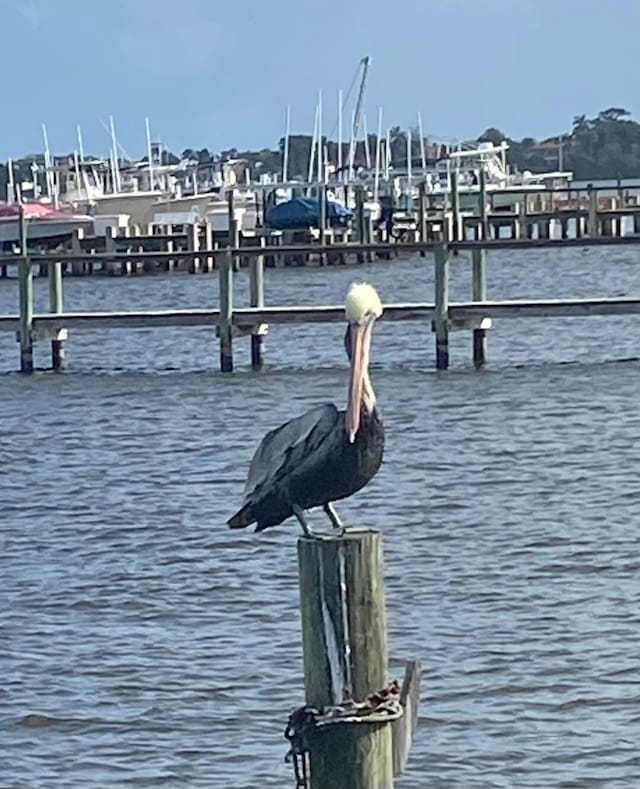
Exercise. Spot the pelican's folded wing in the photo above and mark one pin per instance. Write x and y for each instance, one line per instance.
(288, 446)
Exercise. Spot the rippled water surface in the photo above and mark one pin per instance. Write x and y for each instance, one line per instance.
(142, 644)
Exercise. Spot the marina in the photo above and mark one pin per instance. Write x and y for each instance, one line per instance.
(443, 237)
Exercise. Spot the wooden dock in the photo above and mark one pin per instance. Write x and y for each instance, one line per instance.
(567, 215)
(442, 316)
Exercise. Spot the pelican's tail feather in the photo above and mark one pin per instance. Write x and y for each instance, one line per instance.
(244, 517)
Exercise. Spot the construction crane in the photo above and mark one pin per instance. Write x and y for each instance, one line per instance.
(357, 113)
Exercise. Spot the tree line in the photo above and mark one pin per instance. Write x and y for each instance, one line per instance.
(606, 146)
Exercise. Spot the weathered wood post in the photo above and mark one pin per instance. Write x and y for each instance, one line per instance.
(225, 279)
(520, 226)
(109, 248)
(345, 656)
(360, 231)
(209, 263)
(484, 214)
(77, 266)
(322, 220)
(441, 317)
(225, 322)
(592, 218)
(256, 296)
(455, 207)
(56, 306)
(193, 245)
(25, 299)
(368, 235)
(479, 293)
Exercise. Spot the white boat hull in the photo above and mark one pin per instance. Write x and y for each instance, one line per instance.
(42, 229)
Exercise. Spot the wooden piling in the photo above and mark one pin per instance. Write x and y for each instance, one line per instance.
(345, 655)
(484, 213)
(322, 219)
(256, 295)
(209, 261)
(368, 235)
(455, 207)
(56, 306)
(110, 248)
(360, 231)
(479, 293)
(25, 299)
(441, 312)
(225, 325)
(193, 245)
(77, 266)
(592, 218)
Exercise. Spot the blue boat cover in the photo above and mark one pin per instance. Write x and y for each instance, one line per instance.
(304, 212)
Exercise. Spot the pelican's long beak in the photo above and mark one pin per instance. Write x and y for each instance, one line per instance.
(360, 344)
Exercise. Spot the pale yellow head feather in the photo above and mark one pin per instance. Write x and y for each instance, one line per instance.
(362, 303)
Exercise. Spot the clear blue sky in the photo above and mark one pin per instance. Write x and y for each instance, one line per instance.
(219, 73)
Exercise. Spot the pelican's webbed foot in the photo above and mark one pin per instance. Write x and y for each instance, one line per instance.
(334, 518)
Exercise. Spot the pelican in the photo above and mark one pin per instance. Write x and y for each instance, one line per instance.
(326, 454)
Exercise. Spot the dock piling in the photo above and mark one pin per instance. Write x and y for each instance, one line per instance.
(345, 656)
(56, 306)
(193, 245)
(592, 218)
(360, 229)
(209, 261)
(322, 220)
(441, 304)
(455, 207)
(256, 294)
(110, 248)
(25, 299)
(484, 214)
(225, 322)
(479, 293)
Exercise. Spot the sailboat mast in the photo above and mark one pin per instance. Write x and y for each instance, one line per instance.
(387, 158)
(114, 145)
(149, 157)
(312, 155)
(76, 168)
(11, 186)
(409, 173)
(47, 162)
(423, 156)
(352, 148)
(285, 152)
(320, 146)
(80, 145)
(367, 152)
(340, 173)
(376, 176)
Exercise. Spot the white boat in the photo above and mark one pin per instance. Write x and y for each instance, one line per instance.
(492, 159)
(44, 222)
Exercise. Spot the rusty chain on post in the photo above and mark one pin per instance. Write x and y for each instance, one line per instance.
(381, 707)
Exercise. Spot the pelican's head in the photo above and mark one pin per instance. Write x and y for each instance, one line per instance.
(362, 307)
